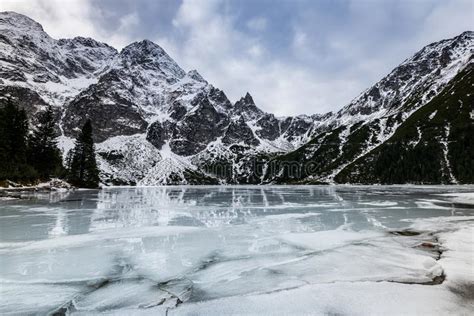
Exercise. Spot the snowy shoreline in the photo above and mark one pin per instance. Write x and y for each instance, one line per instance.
(15, 191)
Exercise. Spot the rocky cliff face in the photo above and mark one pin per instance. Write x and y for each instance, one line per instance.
(155, 123)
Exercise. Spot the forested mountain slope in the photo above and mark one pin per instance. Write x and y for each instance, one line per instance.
(380, 137)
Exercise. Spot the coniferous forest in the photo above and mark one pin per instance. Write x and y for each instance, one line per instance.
(15, 155)
(29, 156)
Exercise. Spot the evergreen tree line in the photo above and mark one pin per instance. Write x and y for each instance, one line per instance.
(31, 156)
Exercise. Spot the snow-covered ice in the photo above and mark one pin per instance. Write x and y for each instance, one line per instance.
(210, 250)
(461, 197)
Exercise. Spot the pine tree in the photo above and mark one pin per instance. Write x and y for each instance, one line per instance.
(82, 166)
(13, 144)
(44, 154)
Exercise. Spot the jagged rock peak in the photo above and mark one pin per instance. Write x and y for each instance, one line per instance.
(13, 20)
(246, 107)
(248, 99)
(149, 53)
(145, 46)
(145, 49)
(466, 35)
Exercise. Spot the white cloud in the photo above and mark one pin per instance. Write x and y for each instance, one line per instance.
(448, 19)
(232, 60)
(59, 18)
(237, 63)
(119, 38)
(70, 18)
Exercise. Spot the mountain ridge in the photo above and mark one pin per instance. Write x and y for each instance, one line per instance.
(155, 123)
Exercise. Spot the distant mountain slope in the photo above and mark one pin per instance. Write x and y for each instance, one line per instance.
(363, 127)
(434, 145)
(156, 123)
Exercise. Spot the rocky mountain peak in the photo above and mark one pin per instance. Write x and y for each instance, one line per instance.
(248, 99)
(150, 55)
(427, 70)
(21, 31)
(466, 35)
(31, 59)
(15, 21)
(144, 47)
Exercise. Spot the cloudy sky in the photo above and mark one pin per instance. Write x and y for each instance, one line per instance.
(293, 56)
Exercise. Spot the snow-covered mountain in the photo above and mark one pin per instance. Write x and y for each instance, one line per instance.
(150, 117)
(155, 123)
(351, 145)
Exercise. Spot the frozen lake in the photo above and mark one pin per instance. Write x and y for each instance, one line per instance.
(240, 250)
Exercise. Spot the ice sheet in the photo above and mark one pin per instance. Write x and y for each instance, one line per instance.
(239, 250)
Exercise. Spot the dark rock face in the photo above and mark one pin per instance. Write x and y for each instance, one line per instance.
(27, 99)
(374, 93)
(238, 131)
(108, 120)
(31, 102)
(218, 97)
(298, 126)
(158, 133)
(178, 111)
(13, 75)
(202, 125)
(269, 127)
